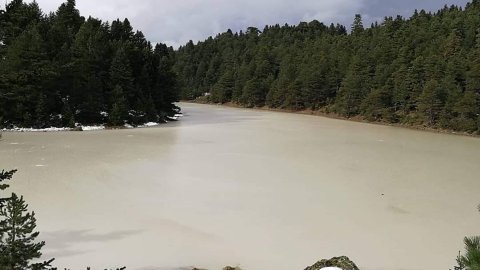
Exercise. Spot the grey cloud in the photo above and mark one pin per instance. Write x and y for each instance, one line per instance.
(378, 9)
(176, 22)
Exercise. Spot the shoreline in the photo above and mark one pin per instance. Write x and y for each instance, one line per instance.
(338, 117)
(81, 128)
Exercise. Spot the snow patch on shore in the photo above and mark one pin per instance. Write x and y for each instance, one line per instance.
(175, 117)
(92, 128)
(86, 128)
(149, 124)
(50, 129)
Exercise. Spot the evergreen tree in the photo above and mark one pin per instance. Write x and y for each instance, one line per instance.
(68, 117)
(121, 73)
(378, 105)
(25, 74)
(352, 91)
(17, 237)
(118, 113)
(429, 103)
(150, 110)
(448, 117)
(467, 109)
(5, 176)
(41, 113)
(223, 90)
(357, 26)
(18, 244)
(16, 17)
(471, 259)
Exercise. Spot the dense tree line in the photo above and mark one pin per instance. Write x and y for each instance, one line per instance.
(424, 70)
(60, 69)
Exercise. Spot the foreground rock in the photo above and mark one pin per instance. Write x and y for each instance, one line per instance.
(225, 268)
(343, 263)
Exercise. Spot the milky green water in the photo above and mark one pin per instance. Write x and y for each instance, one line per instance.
(257, 189)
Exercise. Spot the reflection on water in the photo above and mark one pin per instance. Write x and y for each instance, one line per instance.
(262, 190)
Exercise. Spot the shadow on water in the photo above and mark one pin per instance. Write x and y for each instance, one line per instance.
(61, 243)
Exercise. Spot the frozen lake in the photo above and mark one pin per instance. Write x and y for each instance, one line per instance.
(261, 190)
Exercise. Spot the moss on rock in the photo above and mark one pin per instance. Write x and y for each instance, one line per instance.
(341, 262)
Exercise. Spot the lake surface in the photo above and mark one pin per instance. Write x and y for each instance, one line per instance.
(261, 190)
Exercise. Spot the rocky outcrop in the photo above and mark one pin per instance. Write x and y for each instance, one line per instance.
(225, 268)
(340, 262)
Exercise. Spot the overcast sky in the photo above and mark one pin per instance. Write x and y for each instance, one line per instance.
(176, 21)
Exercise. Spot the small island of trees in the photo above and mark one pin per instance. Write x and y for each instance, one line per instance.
(59, 69)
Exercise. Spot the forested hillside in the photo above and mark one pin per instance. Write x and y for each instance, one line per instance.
(424, 70)
(60, 69)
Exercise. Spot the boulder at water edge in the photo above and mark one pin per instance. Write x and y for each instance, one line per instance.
(343, 263)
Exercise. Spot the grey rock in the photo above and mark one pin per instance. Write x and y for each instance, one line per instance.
(341, 262)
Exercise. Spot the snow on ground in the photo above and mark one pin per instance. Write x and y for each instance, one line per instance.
(50, 129)
(331, 268)
(92, 128)
(175, 117)
(149, 124)
(85, 128)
